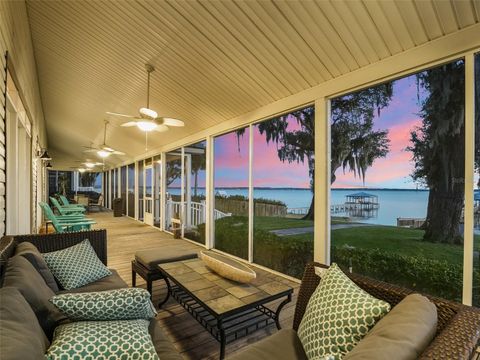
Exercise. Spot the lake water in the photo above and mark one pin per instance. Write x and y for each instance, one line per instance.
(393, 203)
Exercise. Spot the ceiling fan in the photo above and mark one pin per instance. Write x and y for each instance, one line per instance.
(81, 170)
(148, 119)
(103, 150)
(89, 164)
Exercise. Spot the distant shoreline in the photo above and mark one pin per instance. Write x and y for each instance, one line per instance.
(295, 188)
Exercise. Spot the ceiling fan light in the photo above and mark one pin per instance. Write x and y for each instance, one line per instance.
(149, 113)
(82, 170)
(146, 125)
(103, 153)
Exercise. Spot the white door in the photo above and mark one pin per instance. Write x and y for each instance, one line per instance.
(148, 195)
(18, 176)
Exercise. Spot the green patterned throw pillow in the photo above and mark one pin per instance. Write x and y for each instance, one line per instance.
(338, 315)
(76, 265)
(89, 340)
(120, 304)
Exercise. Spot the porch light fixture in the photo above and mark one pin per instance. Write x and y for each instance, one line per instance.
(45, 156)
(103, 153)
(146, 125)
(82, 170)
(48, 166)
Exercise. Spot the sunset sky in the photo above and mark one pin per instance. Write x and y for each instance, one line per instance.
(400, 117)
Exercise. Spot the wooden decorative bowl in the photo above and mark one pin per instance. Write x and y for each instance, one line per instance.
(227, 267)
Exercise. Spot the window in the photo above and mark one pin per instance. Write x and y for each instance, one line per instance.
(231, 192)
(123, 188)
(106, 190)
(157, 189)
(194, 197)
(173, 179)
(131, 190)
(397, 181)
(283, 195)
(140, 189)
(114, 184)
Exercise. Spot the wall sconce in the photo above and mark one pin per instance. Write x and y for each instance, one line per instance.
(49, 165)
(44, 156)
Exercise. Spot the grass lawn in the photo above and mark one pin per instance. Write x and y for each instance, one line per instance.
(268, 223)
(399, 240)
(393, 239)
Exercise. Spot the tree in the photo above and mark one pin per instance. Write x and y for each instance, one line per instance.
(438, 148)
(174, 170)
(87, 179)
(355, 144)
(198, 163)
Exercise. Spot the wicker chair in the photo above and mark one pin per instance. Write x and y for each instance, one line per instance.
(458, 330)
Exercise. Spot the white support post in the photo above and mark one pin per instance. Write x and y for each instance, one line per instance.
(469, 178)
(119, 181)
(203, 212)
(163, 181)
(182, 193)
(135, 190)
(188, 190)
(102, 187)
(251, 205)
(126, 189)
(321, 242)
(209, 195)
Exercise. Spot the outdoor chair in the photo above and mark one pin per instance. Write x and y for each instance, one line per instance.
(66, 223)
(66, 210)
(457, 334)
(65, 201)
(98, 205)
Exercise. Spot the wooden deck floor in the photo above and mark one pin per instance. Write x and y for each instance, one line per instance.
(125, 236)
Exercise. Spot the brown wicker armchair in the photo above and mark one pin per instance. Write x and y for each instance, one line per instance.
(53, 242)
(458, 331)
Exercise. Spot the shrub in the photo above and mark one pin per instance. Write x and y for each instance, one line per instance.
(284, 254)
(435, 277)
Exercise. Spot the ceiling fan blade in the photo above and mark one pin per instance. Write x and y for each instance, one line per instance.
(107, 148)
(129, 124)
(90, 150)
(118, 152)
(161, 128)
(121, 115)
(173, 122)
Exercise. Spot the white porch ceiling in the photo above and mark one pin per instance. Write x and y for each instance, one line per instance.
(215, 60)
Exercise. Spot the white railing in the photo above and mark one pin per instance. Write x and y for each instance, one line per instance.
(217, 214)
(195, 214)
(298, 211)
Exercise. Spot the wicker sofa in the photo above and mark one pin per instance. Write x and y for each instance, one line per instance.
(98, 240)
(457, 336)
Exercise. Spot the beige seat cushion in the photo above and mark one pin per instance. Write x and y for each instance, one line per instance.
(110, 282)
(163, 346)
(152, 257)
(31, 253)
(21, 336)
(22, 275)
(402, 334)
(283, 345)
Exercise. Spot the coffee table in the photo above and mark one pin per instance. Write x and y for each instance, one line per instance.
(227, 309)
